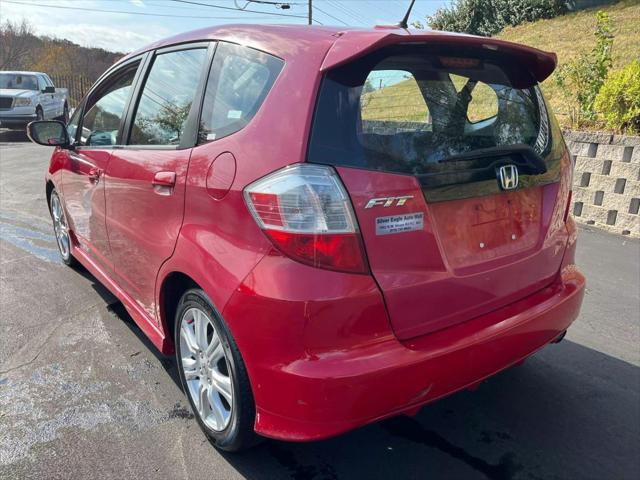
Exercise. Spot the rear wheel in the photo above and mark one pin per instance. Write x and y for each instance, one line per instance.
(213, 374)
(61, 228)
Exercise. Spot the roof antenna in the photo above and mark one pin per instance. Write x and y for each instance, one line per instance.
(404, 23)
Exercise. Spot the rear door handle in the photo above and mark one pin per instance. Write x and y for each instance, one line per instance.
(163, 182)
(164, 179)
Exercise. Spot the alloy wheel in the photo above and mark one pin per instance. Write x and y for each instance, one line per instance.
(206, 369)
(60, 226)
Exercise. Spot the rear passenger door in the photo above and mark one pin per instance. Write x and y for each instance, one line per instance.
(146, 178)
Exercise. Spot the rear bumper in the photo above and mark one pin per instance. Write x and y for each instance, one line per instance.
(321, 391)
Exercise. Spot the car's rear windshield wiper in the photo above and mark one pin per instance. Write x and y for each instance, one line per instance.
(529, 157)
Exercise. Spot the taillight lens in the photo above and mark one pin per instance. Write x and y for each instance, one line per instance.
(306, 213)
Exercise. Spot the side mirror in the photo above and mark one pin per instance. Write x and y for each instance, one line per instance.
(49, 89)
(50, 133)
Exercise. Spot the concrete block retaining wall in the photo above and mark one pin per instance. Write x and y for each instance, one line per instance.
(606, 180)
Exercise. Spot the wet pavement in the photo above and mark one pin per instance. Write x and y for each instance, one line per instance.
(84, 395)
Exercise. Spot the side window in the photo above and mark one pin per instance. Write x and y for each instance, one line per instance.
(105, 110)
(72, 125)
(41, 83)
(240, 80)
(391, 102)
(167, 97)
(47, 80)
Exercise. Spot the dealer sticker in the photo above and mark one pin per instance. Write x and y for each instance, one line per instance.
(408, 222)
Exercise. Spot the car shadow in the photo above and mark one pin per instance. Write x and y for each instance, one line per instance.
(568, 412)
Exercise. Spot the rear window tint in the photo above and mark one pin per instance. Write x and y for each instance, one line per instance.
(408, 111)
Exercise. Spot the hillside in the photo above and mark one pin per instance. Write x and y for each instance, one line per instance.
(567, 36)
(22, 49)
(572, 34)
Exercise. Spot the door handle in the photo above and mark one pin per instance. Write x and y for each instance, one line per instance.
(164, 179)
(163, 182)
(94, 174)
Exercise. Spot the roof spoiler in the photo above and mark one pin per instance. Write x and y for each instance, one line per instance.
(354, 44)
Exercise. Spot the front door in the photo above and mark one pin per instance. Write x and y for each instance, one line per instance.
(83, 182)
(146, 179)
(47, 100)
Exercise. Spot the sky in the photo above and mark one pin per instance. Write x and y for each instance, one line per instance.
(97, 23)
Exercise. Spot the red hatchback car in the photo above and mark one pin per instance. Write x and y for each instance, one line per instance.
(328, 227)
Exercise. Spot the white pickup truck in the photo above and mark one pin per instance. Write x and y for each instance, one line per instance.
(28, 96)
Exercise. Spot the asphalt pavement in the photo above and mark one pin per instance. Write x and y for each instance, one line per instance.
(84, 395)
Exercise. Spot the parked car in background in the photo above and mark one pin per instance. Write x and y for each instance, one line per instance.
(318, 250)
(29, 96)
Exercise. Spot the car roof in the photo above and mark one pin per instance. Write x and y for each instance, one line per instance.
(279, 39)
(339, 45)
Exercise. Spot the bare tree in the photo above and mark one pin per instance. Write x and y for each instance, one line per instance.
(16, 40)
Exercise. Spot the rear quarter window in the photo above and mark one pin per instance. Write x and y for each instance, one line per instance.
(238, 84)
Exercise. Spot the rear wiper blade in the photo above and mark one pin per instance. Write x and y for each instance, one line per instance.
(529, 155)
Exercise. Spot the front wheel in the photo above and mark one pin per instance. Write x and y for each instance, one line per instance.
(213, 374)
(61, 228)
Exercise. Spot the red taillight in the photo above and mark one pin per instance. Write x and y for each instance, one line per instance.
(306, 213)
(339, 251)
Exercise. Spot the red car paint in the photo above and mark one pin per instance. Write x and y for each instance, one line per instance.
(433, 313)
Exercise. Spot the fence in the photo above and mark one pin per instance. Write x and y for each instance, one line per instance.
(77, 85)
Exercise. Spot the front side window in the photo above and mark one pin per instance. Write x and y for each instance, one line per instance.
(167, 97)
(41, 83)
(240, 80)
(106, 109)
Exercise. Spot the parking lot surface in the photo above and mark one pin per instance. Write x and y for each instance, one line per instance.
(84, 395)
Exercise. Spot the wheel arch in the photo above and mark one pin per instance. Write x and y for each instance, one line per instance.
(171, 290)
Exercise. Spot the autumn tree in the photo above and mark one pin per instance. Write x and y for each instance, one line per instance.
(16, 40)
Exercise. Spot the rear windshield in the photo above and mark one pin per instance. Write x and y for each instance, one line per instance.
(443, 117)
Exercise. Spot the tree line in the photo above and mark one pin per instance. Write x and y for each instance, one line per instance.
(22, 49)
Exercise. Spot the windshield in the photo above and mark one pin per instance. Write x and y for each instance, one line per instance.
(444, 118)
(16, 81)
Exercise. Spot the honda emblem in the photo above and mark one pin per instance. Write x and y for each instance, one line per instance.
(508, 176)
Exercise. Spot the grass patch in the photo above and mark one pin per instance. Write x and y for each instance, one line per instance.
(572, 34)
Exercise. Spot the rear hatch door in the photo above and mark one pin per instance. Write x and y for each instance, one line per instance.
(454, 172)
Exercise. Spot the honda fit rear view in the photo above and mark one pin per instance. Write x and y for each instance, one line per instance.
(325, 227)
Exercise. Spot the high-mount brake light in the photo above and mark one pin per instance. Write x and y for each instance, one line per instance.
(306, 213)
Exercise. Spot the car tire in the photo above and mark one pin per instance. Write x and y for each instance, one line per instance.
(61, 228)
(227, 420)
(39, 114)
